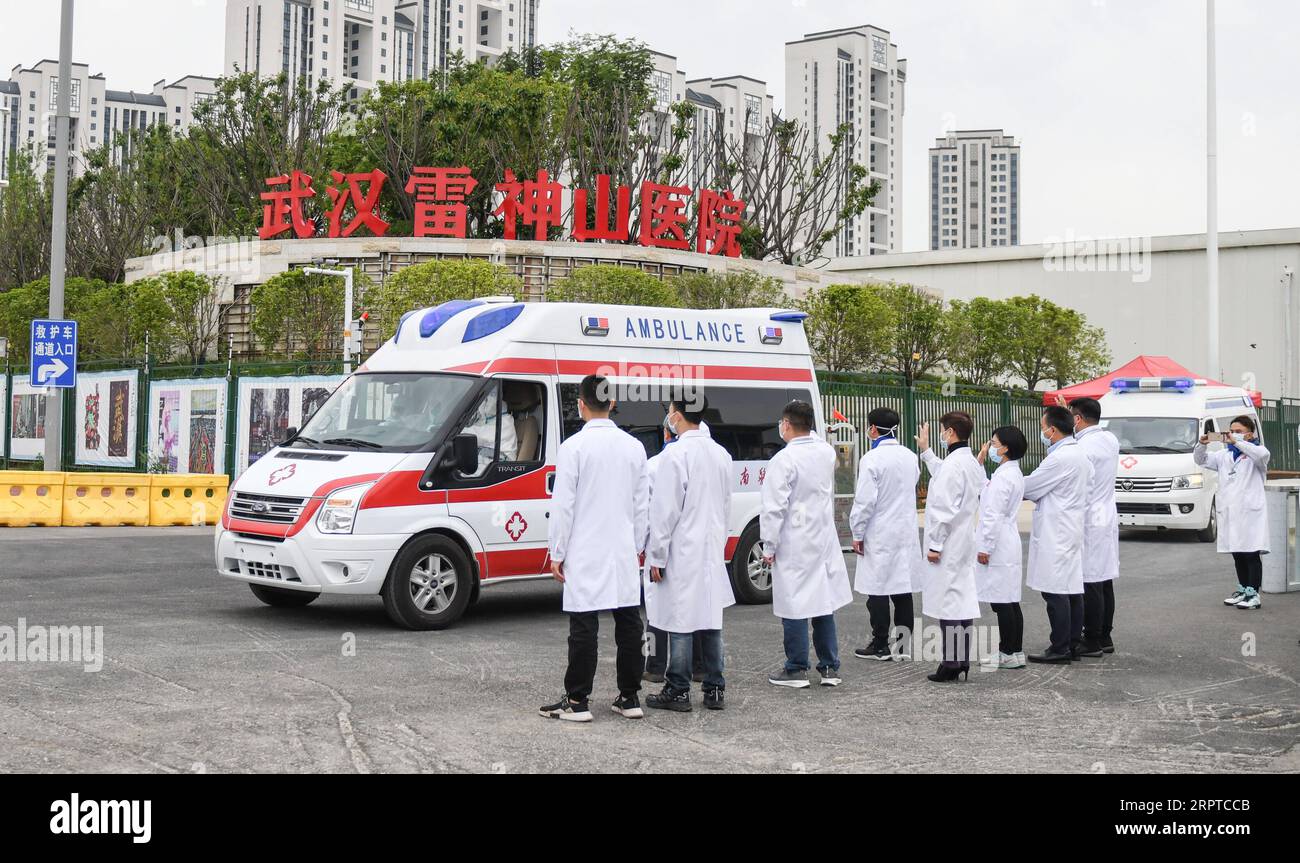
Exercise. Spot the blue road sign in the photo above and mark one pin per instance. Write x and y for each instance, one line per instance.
(54, 354)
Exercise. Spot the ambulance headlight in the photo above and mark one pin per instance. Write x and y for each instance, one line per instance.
(1194, 480)
(339, 511)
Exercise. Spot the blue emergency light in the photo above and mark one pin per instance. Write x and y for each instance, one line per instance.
(1164, 385)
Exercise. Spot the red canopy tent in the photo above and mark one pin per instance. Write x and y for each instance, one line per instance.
(1138, 367)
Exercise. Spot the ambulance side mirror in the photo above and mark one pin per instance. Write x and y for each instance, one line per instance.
(289, 434)
(464, 453)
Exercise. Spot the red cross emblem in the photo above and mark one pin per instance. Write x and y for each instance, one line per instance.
(516, 526)
(281, 474)
(1128, 462)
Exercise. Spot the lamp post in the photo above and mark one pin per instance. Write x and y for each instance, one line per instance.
(346, 274)
(1211, 194)
(59, 229)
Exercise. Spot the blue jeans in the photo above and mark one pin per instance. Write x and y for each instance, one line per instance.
(680, 651)
(825, 641)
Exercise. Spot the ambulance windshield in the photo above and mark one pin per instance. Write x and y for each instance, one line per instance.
(1154, 434)
(385, 411)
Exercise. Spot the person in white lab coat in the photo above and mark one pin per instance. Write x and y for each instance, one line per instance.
(998, 571)
(1241, 504)
(1100, 529)
(597, 534)
(883, 524)
(687, 555)
(952, 499)
(1059, 487)
(802, 545)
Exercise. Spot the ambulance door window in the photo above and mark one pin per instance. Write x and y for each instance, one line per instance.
(644, 420)
(484, 424)
(523, 422)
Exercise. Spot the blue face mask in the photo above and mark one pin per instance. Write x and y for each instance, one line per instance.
(1042, 435)
(996, 456)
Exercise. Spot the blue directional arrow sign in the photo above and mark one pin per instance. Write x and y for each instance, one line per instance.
(54, 354)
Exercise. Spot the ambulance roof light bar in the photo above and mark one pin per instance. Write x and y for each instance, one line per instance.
(1165, 385)
(790, 317)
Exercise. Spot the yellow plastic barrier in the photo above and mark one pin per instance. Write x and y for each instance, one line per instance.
(105, 499)
(31, 498)
(186, 498)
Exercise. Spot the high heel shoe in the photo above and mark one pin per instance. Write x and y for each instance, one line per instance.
(948, 674)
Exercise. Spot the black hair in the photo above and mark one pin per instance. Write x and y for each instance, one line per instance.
(800, 415)
(693, 415)
(884, 419)
(595, 393)
(1013, 439)
(1060, 419)
(1248, 421)
(1088, 410)
(959, 423)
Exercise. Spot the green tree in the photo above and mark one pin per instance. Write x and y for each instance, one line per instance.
(736, 289)
(433, 283)
(25, 208)
(299, 314)
(115, 319)
(606, 283)
(977, 340)
(195, 303)
(849, 326)
(1081, 354)
(919, 340)
(20, 305)
(1049, 342)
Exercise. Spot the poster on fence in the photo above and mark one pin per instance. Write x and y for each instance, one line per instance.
(187, 426)
(269, 407)
(104, 432)
(26, 421)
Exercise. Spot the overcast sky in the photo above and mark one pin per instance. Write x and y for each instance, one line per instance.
(1107, 97)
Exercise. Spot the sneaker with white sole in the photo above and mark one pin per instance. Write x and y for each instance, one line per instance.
(789, 679)
(570, 711)
(831, 677)
(628, 706)
(1236, 597)
(1250, 601)
(1011, 660)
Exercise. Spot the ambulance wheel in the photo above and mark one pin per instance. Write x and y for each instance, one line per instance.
(430, 584)
(751, 578)
(278, 597)
(1210, 532)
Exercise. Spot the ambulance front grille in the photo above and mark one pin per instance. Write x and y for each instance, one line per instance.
(267, 508)
(1143, 484)
(1143, 508)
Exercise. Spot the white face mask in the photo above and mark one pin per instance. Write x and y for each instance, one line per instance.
(1238, 436)
(1042, 435)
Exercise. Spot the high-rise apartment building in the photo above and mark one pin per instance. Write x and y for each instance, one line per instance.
(974, 190)
(853, 76)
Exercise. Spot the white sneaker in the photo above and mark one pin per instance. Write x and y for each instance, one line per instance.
(1011, 660)
(1250, 601)
(1237, 596)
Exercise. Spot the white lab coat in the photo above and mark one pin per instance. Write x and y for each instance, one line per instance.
(883, 518)
(1241, 503)
(951, 502)
(1059, 487)
(1101, 525)
(998, 535)
(797, 525)
(689, 514)
(598, 517)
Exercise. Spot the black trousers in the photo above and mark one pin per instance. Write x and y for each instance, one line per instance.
(1098, 611)
(878, 613)
(1065, 616)
(1011, 626)
(1250, 568)
(584, 626)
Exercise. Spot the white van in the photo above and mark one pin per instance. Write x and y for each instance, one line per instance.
(428, 472)
(1157, 422)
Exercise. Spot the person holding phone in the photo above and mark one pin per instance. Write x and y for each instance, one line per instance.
(1240, 504)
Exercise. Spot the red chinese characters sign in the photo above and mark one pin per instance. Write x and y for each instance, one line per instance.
(439, 197)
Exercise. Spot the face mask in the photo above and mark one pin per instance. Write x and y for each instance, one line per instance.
(943, 444)
(887, 433)
(672, 427)
(1042, 436)
(996, 456)
(1238, 436)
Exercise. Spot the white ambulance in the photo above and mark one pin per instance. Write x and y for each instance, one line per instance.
(1157, 422)
(428, 473)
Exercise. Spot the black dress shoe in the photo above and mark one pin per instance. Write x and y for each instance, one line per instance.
(1107, 646)
(1084, 648)
(948, 674)
(1048, 656)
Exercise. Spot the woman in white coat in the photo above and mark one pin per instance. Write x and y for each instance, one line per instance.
(951, 502)
(997, 559)
(800, 542)
(1241, 505)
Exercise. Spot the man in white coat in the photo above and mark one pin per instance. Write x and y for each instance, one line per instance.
(801, 544)
(1100, 529)
(1241, 505)
(597, 534)
(948, 592)
(883, 524)
(1059, 487)
(689, 586)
